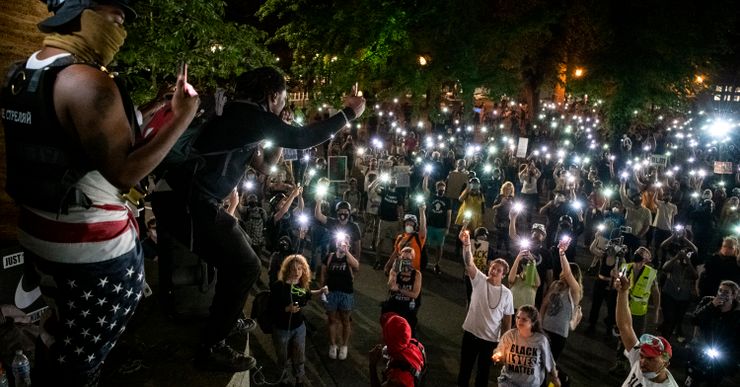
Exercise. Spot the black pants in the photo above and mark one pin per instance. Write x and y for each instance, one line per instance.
(673, 312)
(603, 292)
(475, 348)
(557, 344)
(659, 236)
(220, 241)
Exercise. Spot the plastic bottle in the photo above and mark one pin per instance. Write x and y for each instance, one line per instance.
(21, 369)
(530, 273)
(3, 377)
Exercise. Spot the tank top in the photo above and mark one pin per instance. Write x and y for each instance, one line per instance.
(558, 313)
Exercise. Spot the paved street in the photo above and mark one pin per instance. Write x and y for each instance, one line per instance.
(159, 352)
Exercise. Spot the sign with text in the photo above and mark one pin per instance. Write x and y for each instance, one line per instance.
(723, 168)
(290, 154)
(659, 160)
(403, 174)
(521, 149)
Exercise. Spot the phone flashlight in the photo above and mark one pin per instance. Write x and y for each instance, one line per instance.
(340, 236)
(608, 192)
(249, 185)
(419, 199)
(518, 207)
(601, 227)
(302, 219)
(428, 168)
(577, 205)
(524, 244)
(712, 352)
(467, 215)
(384, 178)
(565, 239)
(321, 190)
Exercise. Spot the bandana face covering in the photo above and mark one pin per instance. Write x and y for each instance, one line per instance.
(97, 41)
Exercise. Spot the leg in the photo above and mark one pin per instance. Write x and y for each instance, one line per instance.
(280, 340)
(468, 354)
(346, 324)
(484, 362)
(298, 352)
(333, 327)
(598, 298)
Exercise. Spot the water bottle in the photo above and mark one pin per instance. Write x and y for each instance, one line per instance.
(21, 369)
(3, 377)
(412, 304)
(530, 273)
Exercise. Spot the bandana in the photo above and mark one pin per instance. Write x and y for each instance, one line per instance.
(97, 41)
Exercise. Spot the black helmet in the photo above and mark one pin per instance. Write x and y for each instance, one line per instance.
(343, 205)
(474, 180)
(565, 219)
(480, 231)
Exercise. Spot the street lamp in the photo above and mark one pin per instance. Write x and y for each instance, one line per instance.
(579, 72)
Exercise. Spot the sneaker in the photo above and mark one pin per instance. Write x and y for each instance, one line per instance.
(221, 357)
(342, 352)
(437, 270)
(332, 352)
(243, 326)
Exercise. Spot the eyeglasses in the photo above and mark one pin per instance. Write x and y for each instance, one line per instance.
(653, 341)
(296, 291)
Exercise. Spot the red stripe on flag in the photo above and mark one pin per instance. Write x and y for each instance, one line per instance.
(61, 232)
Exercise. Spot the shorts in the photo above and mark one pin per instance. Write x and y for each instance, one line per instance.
(339, 301)
(388, 230)
(436, 236)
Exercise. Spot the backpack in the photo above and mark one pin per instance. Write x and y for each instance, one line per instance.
(418, 374)
(261, 311)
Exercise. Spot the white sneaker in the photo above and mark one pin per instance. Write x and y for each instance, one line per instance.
(333, 352)
(342, 352)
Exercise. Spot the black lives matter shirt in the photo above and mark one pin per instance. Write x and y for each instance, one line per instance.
(390, 200)
(437, 211)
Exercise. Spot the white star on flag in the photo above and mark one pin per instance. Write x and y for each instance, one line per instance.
(78, 350)
(130, 272)
(61, 359)
(138, 296)
(71, 284)
(68, 341)
(86, 295)
(101, 301)
(117, 288)
(140, 276)
(70, 323)
(95, 339)
(91, 358)
(115, 308)
(85, 332)
(129, 293)
(112, 324)
(125, 311)
(71, 304)
(85, 313)
(101, 321)
(103, 282)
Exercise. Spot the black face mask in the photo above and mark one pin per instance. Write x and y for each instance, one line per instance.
(637, 258)
(440, 192)
(284, 246)
(343, 216)
(252, 204)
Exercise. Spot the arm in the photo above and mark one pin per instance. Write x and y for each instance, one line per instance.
(233, 202)
(284, 208)
(289, 136)
(512, 225)
(515, 269)
(594, 248)
(423, 222)
(96, 114)
(623, 315)
(464, 195)
(354, 264)
(506, 322)
(318, 214)
(467, 251)
(543, 210)
(417, 287)
(655, 295)
(425, 184)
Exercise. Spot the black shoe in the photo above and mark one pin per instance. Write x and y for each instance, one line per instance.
(377, 265)
(243, 326)
(221, 357)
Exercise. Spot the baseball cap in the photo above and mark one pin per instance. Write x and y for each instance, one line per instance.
(654, 346)
(539, 227)
(67, 10)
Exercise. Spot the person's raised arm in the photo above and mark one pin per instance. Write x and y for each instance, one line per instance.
(317, 212)
(423, 222)
(467, 251)
(543, 210)
(512, 224)
(425, 184)
(575, 287)
(89, 103)
(655, 296)
(623, 314)
(515, 269)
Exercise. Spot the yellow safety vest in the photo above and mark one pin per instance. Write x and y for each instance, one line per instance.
(640, 288)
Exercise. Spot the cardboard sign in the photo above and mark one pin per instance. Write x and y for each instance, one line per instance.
(290, 154)
(337, 168)
(723, 167)
(521, 149)
(659, 160)
(403, 174)
(15, 288)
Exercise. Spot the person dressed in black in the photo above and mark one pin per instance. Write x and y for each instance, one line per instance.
(342, 226)
(390, 212)
(249, 127)
(404, 287)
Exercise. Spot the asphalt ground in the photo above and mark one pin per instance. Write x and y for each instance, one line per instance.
(159, 351)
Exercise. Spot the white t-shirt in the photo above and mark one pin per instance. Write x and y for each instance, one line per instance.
(635, 378)
(485, 313)
(664, 217)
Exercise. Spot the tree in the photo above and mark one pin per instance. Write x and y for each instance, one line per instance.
(161, 38)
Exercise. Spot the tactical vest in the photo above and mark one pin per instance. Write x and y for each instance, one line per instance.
(44, 161)
(641, 287)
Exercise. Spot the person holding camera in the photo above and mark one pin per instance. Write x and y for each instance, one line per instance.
(288, 296)
(337, 273)
(341, 225)
(523, 279)
(723, 265)
(637, 218)
(717, 344)
(528, 176)
(678, 288)
(489, 315)
(608, 252)
(404, 288)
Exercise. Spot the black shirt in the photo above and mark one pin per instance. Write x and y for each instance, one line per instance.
(351, 229)
(389, 203)
(338, 273)
(437, 211)
(282, 295)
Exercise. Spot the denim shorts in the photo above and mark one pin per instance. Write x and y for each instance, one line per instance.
(339, 301)
(436, 236)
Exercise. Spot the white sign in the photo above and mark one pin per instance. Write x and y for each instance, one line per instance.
(658, 160)
(521, 150)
